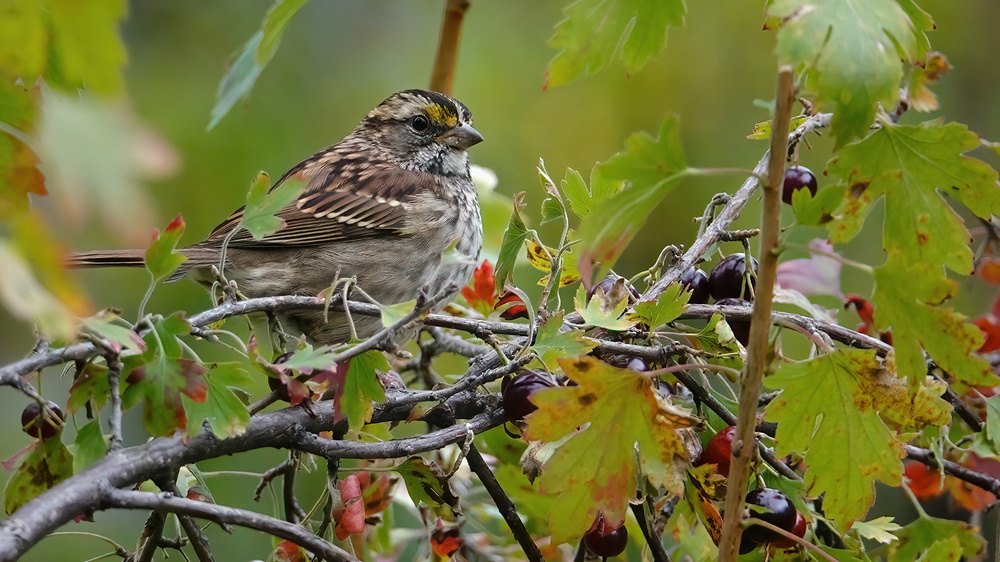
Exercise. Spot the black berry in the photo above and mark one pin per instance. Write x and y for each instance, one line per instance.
(718, 450)
(603, 541)
(517, 393)
(798, 529)
(778, 511)
(696, 281)
(740, 328)
(796, 178)
(40, 422)
(728, 278)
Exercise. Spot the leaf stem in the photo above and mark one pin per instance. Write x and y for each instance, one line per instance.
(819, 552)
(760, 323)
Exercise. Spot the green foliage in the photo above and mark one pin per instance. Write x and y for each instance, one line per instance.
(263, 202)
(850, 54)
(253, 57)
(834, 402)
(513, 239)
(362, 388)
(47, 464)
(89, 446)
(651, 166)
(667, 307)
(594, 31)
(925, 533)
(551, 344)
(225, 413)
(161, 259)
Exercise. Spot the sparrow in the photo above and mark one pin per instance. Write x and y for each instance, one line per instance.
(388, 206)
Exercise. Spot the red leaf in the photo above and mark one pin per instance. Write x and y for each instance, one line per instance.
(350, 516)
(970, 497)
(481, 292)
(446, 539)
(514, 311)
(864, 308)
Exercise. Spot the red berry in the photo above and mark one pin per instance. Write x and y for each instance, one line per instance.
(42, 423)
(778, 511)
(798, 529)
(718, 450)
(696, 281)
(603, 541)
(796, 178)
(728, 278)
(516, 394)
(741, 328)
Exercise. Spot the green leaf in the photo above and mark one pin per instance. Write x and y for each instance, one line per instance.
(925, 532)
(86, 46)
(226, 414)
(817, 210)
(652, 167)
(90, 446)
(90, 384)
(594, 31)
(362, 388)
(914, 167)
(160, 375)
(667, 307)
(161, 259)
(604, 310)
(308, 358)
(513, 239)
(23, 40)
(26, 298)
(253, 57)
(828, 401)
(393, 313)
(551, 344)
(992, 425)
(119, 337)
(880, 529)
(583, 199)
(906, 295)
(48, 464)
(262, 204)
(426, 482)
(850, 52)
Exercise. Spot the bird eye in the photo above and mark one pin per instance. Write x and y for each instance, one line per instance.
(420, 123)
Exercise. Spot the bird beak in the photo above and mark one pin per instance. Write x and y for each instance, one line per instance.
(463, 136)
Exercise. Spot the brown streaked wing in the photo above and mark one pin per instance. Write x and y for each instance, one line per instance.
(335, 207)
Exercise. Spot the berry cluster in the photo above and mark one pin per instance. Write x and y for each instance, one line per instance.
(729, 284)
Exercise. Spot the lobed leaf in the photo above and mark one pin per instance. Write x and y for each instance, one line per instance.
(595, 31)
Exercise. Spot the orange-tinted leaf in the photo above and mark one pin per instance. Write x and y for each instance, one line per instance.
(974, 498)
(481, 292)
(446, 539)
(991, 333)
(596, 469)
(287, 551)
(924, 482)
(989, 269)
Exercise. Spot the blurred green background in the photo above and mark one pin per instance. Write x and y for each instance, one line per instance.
(339, 59)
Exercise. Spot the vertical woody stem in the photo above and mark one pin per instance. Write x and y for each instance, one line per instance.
(447, 52)
(760, 323)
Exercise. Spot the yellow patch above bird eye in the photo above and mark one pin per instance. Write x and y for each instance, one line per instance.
(441, 114)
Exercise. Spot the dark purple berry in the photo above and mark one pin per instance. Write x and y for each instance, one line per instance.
(696, 281)
(603, 541)
(777, 510)
(40, 422)
(740, 328)
(796, 178)
(728, 280)
(799, 530)
(517, 393)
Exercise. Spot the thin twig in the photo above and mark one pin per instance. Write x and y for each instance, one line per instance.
(927, 457)
(152, 533)
(503, 503)
(115, 399)
(653, 541)
(122, 499)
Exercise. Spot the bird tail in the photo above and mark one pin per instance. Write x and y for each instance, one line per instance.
(106, 258)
